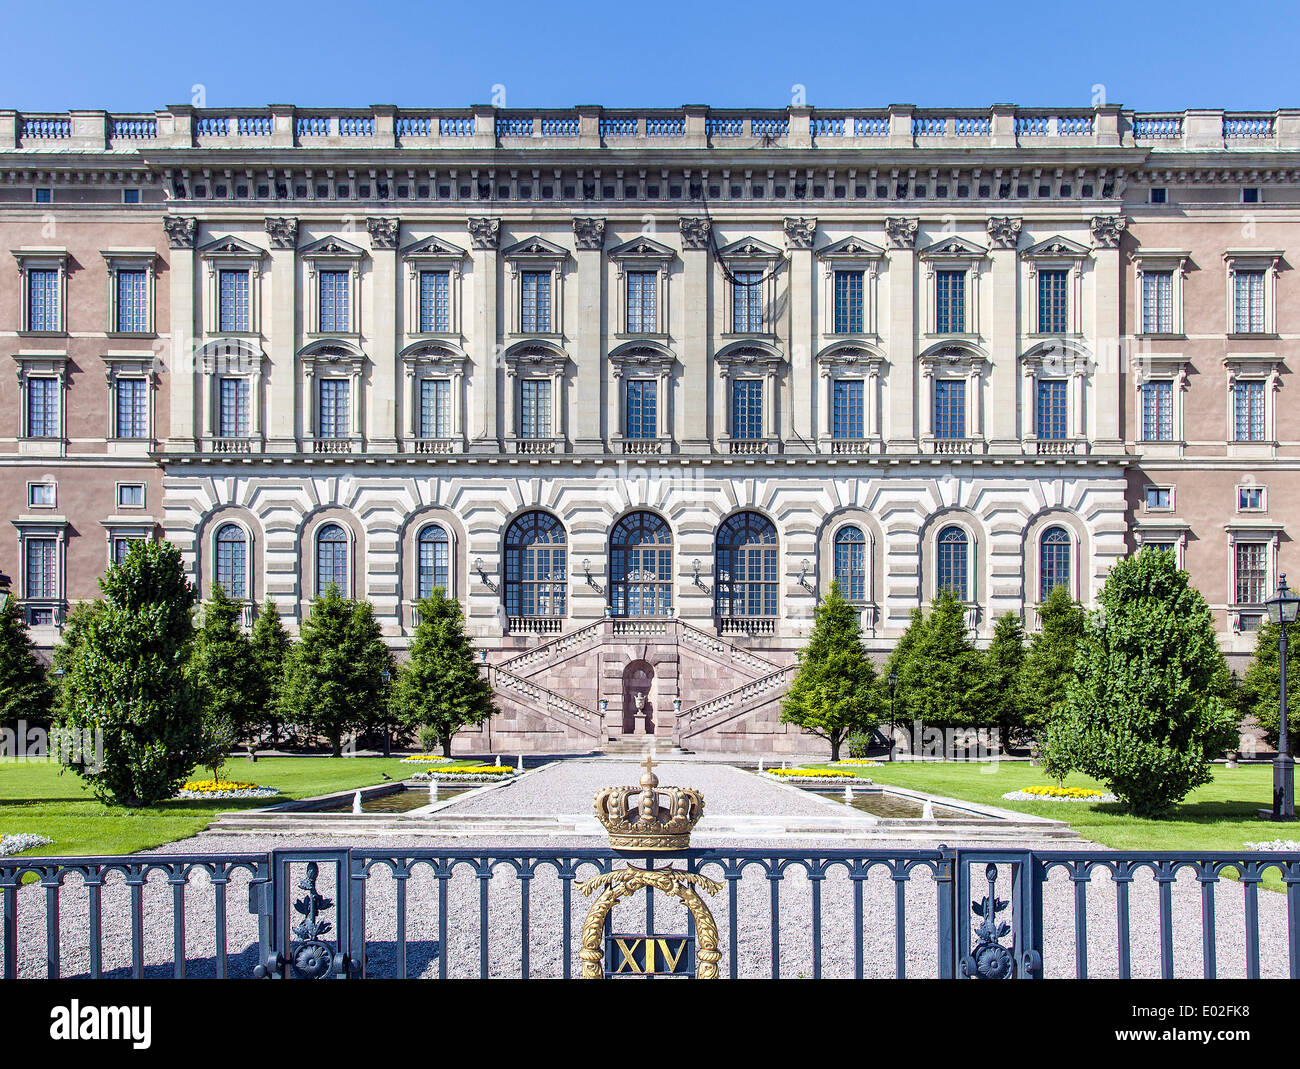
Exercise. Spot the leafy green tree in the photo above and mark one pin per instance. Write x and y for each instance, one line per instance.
(1049, 662)
(224, 669)
(834, 692)
(334, 678)
(65, 653)
(998, 696)
(269, 646)
(1144, 712)
(937, 662)
(25, 690)
(1261, 687)
(127, 677)
(439, 688)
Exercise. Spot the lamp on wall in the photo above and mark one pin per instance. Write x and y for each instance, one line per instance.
(482, 574)
(586, 571)
(697, 580)
(804, 571)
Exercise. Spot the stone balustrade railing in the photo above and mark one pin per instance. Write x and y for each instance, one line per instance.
(900, 126)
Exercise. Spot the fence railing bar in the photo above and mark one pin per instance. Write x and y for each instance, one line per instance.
(900, 926)
(11, 933)
(221, 954)
(1164, 880)
(483, 956)
(1209, 946)
(1081, 922)
(774, 880)
(946, 904)
(525, 880)
(178, 926)
(1122, 925)
(401, 925)
(1292, 878)
(1249, 874)
(566, 935)
(442, 923)
(816, 879)
(857, 927)
(137, 925)
(733, 936)
(52, 926)
(95, 928)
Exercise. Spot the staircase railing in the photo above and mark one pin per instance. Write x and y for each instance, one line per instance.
(733, 703)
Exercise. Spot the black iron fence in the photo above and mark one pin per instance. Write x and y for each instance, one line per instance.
(439, 913)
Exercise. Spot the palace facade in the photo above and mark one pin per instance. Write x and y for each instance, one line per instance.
(636, 387)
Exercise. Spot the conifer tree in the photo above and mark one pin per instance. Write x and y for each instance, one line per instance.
(25, 690)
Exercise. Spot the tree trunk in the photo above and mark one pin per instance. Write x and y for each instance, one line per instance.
(835, 748)
(446, 745)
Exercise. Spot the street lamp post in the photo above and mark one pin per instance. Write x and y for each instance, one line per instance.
(1283, 609)
(388, 745)
(893, 686)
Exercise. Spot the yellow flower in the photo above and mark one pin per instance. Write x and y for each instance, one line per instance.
(802, 773)
(1063, 792)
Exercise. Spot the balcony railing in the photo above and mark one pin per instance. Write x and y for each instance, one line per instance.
(747, 625)
(538, 446)
(536, 625)
(221, 444)
(644, 446)
(437, 445)
(334, 445)
(751, 446)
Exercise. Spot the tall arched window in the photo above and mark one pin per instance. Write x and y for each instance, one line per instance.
(746, 566)
(231, 571)
(536, 581)
(953, 552)
(1053, 561)
(851, 563)
(641, 566)
(433, 550)
(332, 559)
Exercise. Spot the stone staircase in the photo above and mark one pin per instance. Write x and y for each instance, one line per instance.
(547, 702)
(743, 700)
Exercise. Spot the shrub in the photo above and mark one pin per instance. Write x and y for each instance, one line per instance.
(25, 690)
(937, 663)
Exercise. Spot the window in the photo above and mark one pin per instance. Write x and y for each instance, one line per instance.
(43, 196)
(41, 568)
(747, 302)
(746, 567)
(130, 196)
(1158, 302)
(536, 577)
(949, 408)
(641, 566)
(43, 300)
(230, 571)
(1052, 317)
(1158, 195)
(334, 398)
(122, 547)
(1250, 195)
(335, 308)
(1250, 499)
(851, 563)
(232, 308)
(435, 409)
(950, 302)
(1159, 498)
(642, 417)
(42, 408)
(232, 408)
(953, 554)
(40, 495)
(332, 559)
(433, 550)
(848, 302)
(1052, 409)
(642, 302)
(747, 409)
(535, 303)
(132, 408)
(1248, 411)
(1158, 411)
(132, 302)
(1053, 561)
(535, 408)
(1248, 302)
(847, 409)
(435, 302)
(1251, 561)
(130, 495)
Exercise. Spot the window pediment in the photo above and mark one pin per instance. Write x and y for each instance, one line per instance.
(1162, 260)
(642, 250)
(849, 358)
(232, 356)
(535, 250)
(1254, 259)
(954, 249)
(230, 247)
(535, 356)
(434, 356)
(328, 355)
(434, 249)
(41, 363)
(330, 247)
(852, 250)
(36, 258)
(953, 359)
(641, 358)
(1056, 248)
(747, 356)
(750, 249)
(1253, 366)
(1152, 366)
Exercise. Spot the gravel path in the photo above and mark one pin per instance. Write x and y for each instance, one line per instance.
(567, 788)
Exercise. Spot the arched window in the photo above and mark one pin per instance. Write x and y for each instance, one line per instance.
(433, 549)
(746, 566)
(851, 563)
(1053, 561)
(953, 547)
(536, 582)
(641, 566)
(231, 571)
(331, 559)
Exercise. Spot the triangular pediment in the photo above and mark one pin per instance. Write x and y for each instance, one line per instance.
(1056, 247)
(641, 247)
(955, 247)
(537, 248)
(851, 246)
(750, 246)
(331, 246)
(435, 246)
(230, 246)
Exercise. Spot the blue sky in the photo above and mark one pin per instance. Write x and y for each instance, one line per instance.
(74, 53)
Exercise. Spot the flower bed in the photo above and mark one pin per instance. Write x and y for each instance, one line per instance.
(1058, 794)
(224, 788)
(856, 762)
(1280, 846)
(807, 773)
(16, 844)
(472, 773)
(423, 758)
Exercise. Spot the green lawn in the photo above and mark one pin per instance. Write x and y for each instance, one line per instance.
(37, 799)
(1219, 816)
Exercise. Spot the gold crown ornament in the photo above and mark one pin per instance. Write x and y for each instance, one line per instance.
(647, 818)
